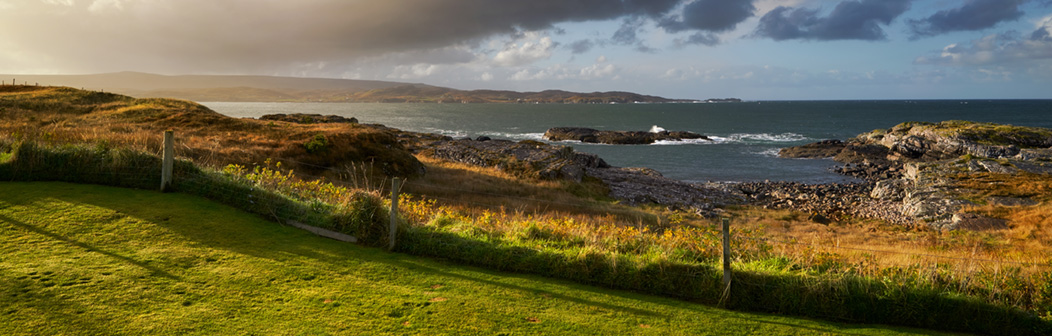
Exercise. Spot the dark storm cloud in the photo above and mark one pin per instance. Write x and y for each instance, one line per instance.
(237, 35)
(849, 20)
(974, 15)
(710, 15)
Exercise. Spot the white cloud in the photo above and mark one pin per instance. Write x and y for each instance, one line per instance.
(598, 71)
(535, 48)
(996, 49)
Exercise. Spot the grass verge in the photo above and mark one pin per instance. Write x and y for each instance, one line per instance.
(80, 259)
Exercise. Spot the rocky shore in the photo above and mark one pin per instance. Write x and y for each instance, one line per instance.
(913, 172)
(909, 175)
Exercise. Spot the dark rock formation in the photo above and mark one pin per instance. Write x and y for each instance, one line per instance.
(302, 118)
(617, 137)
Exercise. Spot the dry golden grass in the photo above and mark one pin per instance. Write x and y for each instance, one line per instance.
(65, 115)
(476, 189)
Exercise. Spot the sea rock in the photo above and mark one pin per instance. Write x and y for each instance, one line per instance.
(590, 135)
(818, 150)
(302, 118)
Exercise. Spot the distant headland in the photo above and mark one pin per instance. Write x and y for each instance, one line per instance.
(223, 88)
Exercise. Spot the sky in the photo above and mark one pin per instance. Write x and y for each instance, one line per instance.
(692, 49)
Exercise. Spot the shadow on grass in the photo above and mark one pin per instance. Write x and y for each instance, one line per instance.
(153, 270)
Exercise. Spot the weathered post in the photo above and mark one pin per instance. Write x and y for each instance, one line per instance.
(726, 260)
(168, 160)
(393, 231)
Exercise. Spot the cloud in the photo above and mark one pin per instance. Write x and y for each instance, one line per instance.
(1006, 49)
(702, 38)
(528, 52)
(580, 46)
(849, 20)
(974, 15)
(710, 15)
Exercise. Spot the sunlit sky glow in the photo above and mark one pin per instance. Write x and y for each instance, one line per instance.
(753, 49)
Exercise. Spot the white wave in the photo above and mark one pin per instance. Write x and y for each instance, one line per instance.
(766, 137)
(685, 142)
(450, 133)
(656, 129)
(772, 152)
(514, 136)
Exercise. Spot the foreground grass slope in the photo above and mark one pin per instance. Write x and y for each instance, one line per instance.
(78, 259)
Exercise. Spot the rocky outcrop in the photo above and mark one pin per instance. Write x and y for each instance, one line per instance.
(523, 158)
(913, 168)
(302, 118)
(590, 135)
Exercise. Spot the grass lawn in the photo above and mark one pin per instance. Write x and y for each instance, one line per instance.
(81, 259)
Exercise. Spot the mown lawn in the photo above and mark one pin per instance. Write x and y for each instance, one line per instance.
(80, 259)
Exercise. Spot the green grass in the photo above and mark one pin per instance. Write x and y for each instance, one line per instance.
(79, 259)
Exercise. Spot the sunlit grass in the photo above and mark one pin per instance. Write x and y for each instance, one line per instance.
(99, 260)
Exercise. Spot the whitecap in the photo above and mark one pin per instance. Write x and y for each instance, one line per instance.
(685, 142)
(766, 137)
(770, 152)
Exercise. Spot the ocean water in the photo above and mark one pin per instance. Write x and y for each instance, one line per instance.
(747, 136)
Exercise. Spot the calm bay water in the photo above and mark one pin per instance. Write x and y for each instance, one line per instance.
(747, 135)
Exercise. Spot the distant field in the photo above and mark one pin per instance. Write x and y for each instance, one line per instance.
(78, 259)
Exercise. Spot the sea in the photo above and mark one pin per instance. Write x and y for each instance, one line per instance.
(745, 136)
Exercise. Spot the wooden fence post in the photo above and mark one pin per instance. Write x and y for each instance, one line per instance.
(168, 161)
(393, 231)
(726, 260)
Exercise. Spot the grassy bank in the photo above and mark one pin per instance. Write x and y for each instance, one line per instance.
(81, 259)
(676, 262)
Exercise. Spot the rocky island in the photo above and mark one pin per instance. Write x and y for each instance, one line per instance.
(589, 135)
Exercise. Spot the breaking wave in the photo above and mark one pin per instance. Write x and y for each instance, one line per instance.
(765, 137)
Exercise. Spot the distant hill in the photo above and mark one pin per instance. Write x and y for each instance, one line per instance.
(297, 89)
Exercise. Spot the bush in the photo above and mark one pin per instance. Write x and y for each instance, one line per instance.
(317, 144)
